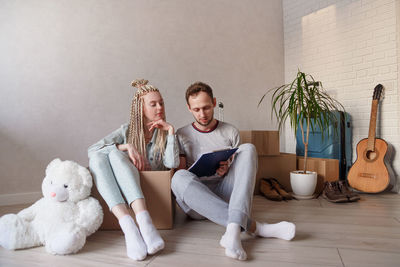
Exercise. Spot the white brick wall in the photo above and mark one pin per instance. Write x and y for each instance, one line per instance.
(349, 45)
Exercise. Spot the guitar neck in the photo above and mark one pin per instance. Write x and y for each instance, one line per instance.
(372, 126)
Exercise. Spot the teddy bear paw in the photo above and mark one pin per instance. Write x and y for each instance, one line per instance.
(65, 243)
(9, 225)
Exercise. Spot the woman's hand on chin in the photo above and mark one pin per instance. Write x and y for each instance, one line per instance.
(162, 125)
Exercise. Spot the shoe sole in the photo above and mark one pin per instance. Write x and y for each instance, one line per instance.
(271, 198)
(354, 199)
(340, 200)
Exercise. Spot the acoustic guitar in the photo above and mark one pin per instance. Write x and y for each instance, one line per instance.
(370, 172)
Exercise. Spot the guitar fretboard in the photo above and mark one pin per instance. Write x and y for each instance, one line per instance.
(372, 126)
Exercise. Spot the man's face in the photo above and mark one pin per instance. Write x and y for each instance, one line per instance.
(202, 108)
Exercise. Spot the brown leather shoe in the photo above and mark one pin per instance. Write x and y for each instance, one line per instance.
(332, 193)
(352, 196)
(268, 190)
(280, 189)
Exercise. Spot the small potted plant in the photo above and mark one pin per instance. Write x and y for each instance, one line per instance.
(307, 105)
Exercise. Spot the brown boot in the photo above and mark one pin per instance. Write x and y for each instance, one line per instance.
(280, 189)
(332, 193)
(268, 190)
(352, 196)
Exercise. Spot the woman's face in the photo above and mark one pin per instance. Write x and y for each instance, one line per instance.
(153, 106)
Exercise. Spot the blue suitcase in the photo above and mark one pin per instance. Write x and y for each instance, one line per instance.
(337, 145)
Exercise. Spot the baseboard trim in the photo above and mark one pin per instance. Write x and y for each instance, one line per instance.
(19, 198)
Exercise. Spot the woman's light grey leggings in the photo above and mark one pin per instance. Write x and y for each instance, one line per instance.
(114, 175)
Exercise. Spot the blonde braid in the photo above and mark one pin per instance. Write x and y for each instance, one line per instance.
(136, 134)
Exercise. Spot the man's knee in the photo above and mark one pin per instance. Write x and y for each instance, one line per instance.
(180, 181)
(247, 153)
(248, 148)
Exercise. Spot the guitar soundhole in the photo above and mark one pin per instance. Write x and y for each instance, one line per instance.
(371, 155)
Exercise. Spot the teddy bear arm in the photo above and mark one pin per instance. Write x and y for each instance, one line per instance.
(29, 213)
(90, 215)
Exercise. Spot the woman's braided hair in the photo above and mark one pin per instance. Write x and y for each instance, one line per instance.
(136, 134)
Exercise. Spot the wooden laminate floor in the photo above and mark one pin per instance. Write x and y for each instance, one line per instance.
(365, 233)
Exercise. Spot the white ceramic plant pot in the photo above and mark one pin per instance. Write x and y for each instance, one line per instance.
(303, 184)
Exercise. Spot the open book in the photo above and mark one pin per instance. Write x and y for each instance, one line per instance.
(208, 163)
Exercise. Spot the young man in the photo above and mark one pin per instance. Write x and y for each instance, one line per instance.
(226, 197)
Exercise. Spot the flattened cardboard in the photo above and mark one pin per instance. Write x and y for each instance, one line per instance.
(156, 187)
(278, 167)
(327, 170)
(266, 142)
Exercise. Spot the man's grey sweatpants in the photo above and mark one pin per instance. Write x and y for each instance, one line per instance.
(221, 200)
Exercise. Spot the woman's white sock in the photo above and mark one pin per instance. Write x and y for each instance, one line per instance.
(232, 243)
(135, 247)
(151, 237)
(283, 230)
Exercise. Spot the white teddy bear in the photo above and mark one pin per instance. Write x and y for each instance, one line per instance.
(62, 219)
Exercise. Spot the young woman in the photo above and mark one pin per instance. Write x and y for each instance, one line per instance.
(148, 142)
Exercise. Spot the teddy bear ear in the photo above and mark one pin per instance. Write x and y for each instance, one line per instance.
(86, 176)
(53, 163)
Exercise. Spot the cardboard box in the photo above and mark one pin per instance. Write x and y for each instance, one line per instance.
(278, 167)
(327, 170)
(156, 187)
(266, 142)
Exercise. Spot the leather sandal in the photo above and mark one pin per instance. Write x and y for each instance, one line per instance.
(269, 191)
(280, 189)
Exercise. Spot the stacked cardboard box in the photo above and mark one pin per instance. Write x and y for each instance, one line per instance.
(276, 166)
(156, 187)
(266, 142)
(272, 163)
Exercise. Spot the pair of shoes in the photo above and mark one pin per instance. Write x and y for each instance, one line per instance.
(332, 193)
(338, 192)
(351, 195)
(273, 190)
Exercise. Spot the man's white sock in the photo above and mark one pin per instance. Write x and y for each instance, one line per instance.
(232, 243)
(283, 230)
(135, 247)
(151, 237)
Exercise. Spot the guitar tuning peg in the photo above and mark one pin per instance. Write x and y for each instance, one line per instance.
(383, 93)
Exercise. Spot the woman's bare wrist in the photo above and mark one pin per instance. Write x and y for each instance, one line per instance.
(122, 147)
(171, 130)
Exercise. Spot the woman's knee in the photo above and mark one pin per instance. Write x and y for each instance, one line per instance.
(116, 154)
(120, 162)
(97, 160)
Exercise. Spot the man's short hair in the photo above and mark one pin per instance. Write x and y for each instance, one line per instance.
(196, 88)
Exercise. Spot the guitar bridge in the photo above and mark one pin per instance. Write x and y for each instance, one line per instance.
(367, 175)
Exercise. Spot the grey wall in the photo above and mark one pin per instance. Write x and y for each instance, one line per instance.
(66, 68)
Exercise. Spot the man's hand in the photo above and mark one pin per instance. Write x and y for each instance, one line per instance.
(182, 163)
(223, 168)
(161, 124)
(134, 156)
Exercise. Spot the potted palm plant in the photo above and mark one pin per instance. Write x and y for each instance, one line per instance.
(308, 106)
